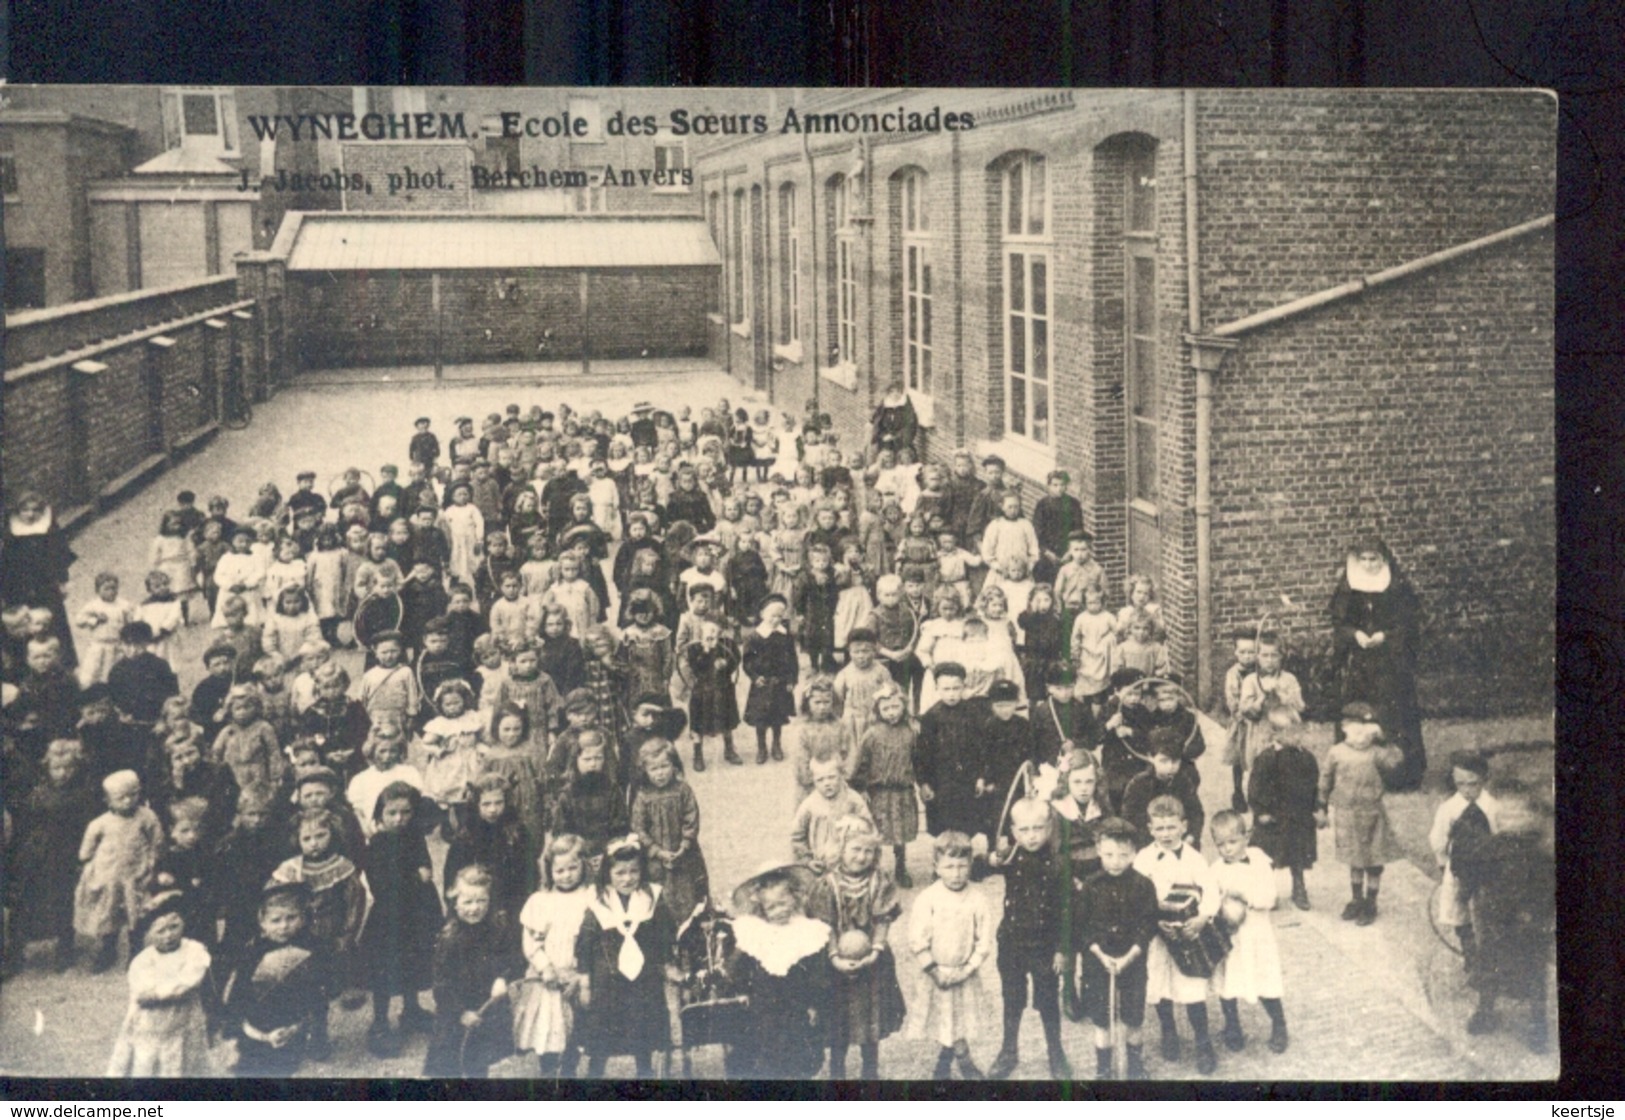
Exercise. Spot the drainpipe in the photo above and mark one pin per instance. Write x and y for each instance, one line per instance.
(812, 233)
(1204, 419)
(725, 300)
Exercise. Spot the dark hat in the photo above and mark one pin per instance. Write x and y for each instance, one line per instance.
(1164, 741)
(1359, 711)
(1083, 535)
(1062, 475)
(643, 599)
(186, 497)
(302, 475)
(219, 649)
(642, 406)
(157, 906)
(95, 693)
(1126, 676)
(580, 700)
(1003, 691)
(421, 420)
(1059, 672)
(992, 460)
(389, 468)
(947, 669)
(323, 774)
(1474, 762)
(650, 699)
(275, 891)
(137, 633)
(775, 597)
(862, 634)
(439, 624)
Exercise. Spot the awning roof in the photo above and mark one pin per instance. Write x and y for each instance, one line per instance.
(377, 242)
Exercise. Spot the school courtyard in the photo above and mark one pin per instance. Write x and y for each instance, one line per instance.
(1382, 1003)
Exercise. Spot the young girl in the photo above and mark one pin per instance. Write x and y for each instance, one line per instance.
(1141, 592)
(812, 604)
(239, 573)
(451, 750)
(954, 566)
(118, 853)
(1079, 810)
(389, 687)
(666, 818)
(187, 867)
(782, 967)
(544, 1010)
(1351, 783)
(248, 743)
(1138, 647)
(943, 629)
(493, 837)
(1094, 648)
(593, 805)
(337, 903)
(559, 652)
(464, 527)
(405, 914)
(332, 575)
(572, 594)
(856, 897)
(162, 610)
(163, 1031)
(709, 667)
(512, 756)
(287, 570)
(174, 554)
(770, 662)
(950, 933)
(854, 603)
(822, 734)
(883, 771)
(475, 957)
(788, 552)
(42, 871)
(1043, 643)
(1252, 969)
(646, 646)
(375, 563)
(1282, 792)
(626, 942)
(101, 619)
(210, 549)
(385, 751)
(290, 624)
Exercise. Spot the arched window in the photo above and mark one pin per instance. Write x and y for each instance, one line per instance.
(1024, 248)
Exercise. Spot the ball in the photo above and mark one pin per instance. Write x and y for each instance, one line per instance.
(853, 945)
(1234, 912)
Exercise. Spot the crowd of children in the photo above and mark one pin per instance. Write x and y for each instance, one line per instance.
(554, 624)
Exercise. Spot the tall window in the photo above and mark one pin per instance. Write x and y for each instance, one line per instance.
(845, 296)
(1140, 316)
(738, 303)
(1024, 206)
(916, 227)
(8, 174)
(205, 119)
(789, 267)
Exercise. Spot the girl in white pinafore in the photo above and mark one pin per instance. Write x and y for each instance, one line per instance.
(551, 919)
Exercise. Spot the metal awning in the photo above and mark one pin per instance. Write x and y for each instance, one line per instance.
(383, 242)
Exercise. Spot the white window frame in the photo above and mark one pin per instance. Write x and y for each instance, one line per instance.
(788, 334)
(739, 260)
(666, 142)
(917, 288)
(1021, 250)
(224, 141)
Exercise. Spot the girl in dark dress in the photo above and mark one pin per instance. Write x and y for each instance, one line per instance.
(559, 652)
(1282, 792)
(782, 963)
(771, 663)
(43, 863)
(476, 957)
(709, 666)
(399, 936)
(34, 562)
(623, 952)
(1376, 620)
(493, 837)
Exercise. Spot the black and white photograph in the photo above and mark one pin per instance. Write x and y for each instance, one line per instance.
(874, 584)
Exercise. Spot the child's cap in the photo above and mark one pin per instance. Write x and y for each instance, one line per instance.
(1060, 673)
(439, 624)
(1474, 762)
(156, 908)
(186, 497)
(1125, 677)
(580, 700)
(277, 893)
(1083, 535)
(1163, 742)
(947, 669)
(1058, 476)
(1002, 692)
(136, 633)
(219, 649)
(321, 775)
(650, 700)
(461, 420)
(992, 461)
(768, 600)
(1359, 712)
(643, 599)
(862, 634)
(302, 475)
(424, 420)
(389, 469)
(388, 636)
(94, 694)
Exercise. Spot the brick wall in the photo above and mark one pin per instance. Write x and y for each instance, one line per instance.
(151, 366)
(388, 318)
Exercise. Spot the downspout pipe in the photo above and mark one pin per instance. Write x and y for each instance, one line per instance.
(1203, 505)
(812, 289)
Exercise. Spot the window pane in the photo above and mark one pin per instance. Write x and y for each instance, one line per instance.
(1145, 460)
(1040, 350)
(1143, 355)
(925, 369)
(922, 213)
(1013, 190)
(1041, 413)
(1036, 206)
(913, 318)
(925, 274)
(199, 114)
(1018, 344)
(1018, 282)
(1145, 295)
(1040, 286)
(1142, 190)
(925, 321)
(1018, 406)
(913, 267)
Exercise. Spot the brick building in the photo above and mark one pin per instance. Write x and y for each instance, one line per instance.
(1248, 324)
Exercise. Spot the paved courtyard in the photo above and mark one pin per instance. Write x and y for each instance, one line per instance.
(1382, 1003)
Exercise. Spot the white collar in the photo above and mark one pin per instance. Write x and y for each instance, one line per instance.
(778, 948)
(37, 528)
(1362, 580)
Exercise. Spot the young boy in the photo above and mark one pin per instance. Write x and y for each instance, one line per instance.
(830, 800)
(390, 687)
(425, 445)
(141, 681)
(950, 934)
(1061, 723)
(305, 497)
(1169, 862)
(859, 682)
(1268, 686)
(897, 631)
(1468, 810)
(947, 759)
(1080, 571)
(102, 618)
(987, 503)
(1056, 516)
(1029, 935)
(1004, 744)
(1283, 789)
(1246, 651)
(1164, 779)
(1119, 908)
(209, 697)
(276, 995)
(1252, 969)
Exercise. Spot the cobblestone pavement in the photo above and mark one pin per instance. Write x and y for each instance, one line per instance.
(1382, 1003)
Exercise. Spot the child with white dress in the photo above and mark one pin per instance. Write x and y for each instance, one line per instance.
(950, 933)
(543, 1015)
(163, 1034)
(101, 619)
(1252, 969)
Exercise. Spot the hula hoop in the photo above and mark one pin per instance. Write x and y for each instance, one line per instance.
(367, 483)
(1433, 920)
(468, 1032)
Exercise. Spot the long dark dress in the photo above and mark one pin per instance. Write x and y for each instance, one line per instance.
(562, 659)
(665, 818)
(782, 1038)
(42, 868)
(894, 426)
(468, 959)
(713, 702)
(1283, 787)
(625, 1016)
(33, 568)
(864, 1006)
(1512, 882)
(772, 659)
(398, 940)
(503, 849)
(1384, 676)
(948, 759)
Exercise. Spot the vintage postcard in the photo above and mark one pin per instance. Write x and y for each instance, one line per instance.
(1033, 584)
